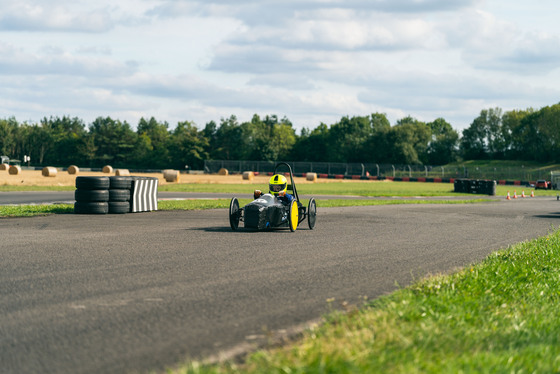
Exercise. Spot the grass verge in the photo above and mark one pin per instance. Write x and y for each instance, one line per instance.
(498, 316)
(34, 210)
(200, 204)
(10, 188)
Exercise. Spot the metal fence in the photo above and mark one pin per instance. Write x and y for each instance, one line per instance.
(384, 170)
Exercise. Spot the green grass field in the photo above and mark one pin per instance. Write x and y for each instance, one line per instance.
(499, 316)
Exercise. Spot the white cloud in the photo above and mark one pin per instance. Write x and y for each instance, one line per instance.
(14, 61)
(309, 60)
(48, 17)
(487, 42)
(344, 33)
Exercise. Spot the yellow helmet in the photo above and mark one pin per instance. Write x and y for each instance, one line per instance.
(278, 183)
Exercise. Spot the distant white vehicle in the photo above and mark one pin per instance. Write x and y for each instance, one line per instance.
(4, 159)
(555, 179)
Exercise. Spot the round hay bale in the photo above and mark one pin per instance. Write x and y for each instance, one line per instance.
(4, 166)
(49, 171)
(171, 175)
(122, 172)
(223, 171)
(73, 169)
(248, 175)
(14, 169)
(311, 177)
(107, 169)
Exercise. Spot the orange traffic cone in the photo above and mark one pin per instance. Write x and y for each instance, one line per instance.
(532, 193)
(508, 197)
(515, 194)
(523, 193)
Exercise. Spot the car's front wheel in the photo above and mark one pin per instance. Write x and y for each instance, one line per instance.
(293, 216)
(234, 213)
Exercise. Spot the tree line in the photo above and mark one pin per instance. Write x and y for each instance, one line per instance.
(61, 141)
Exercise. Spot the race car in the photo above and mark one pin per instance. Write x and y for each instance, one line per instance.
(269, 212)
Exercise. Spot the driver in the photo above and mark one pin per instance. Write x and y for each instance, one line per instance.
(277, 186)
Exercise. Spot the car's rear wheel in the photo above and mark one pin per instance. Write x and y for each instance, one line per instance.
(293, 216)
(234, 213)
(311, 213)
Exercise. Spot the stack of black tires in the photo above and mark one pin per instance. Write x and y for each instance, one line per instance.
(102, 195)
(476, 186)
(119, 194)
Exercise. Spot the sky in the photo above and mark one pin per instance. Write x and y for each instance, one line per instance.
(311, 61)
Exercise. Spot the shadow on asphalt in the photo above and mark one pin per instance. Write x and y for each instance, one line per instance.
(210, 229)
(549, 215)
(239, 230)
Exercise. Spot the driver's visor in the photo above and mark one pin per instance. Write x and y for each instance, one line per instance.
(277, 187)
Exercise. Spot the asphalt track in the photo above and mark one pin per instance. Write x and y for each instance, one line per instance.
(140, 292)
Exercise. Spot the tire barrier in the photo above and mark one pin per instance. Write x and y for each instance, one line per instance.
(120, 183)
(84, 207)
(144, 194)
(119, 207)
(476, 186)
(119, 194)
(92, 195)
(92, 183)
(87, 196)
(115, 195)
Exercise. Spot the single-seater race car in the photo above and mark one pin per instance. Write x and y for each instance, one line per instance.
(273, 210)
